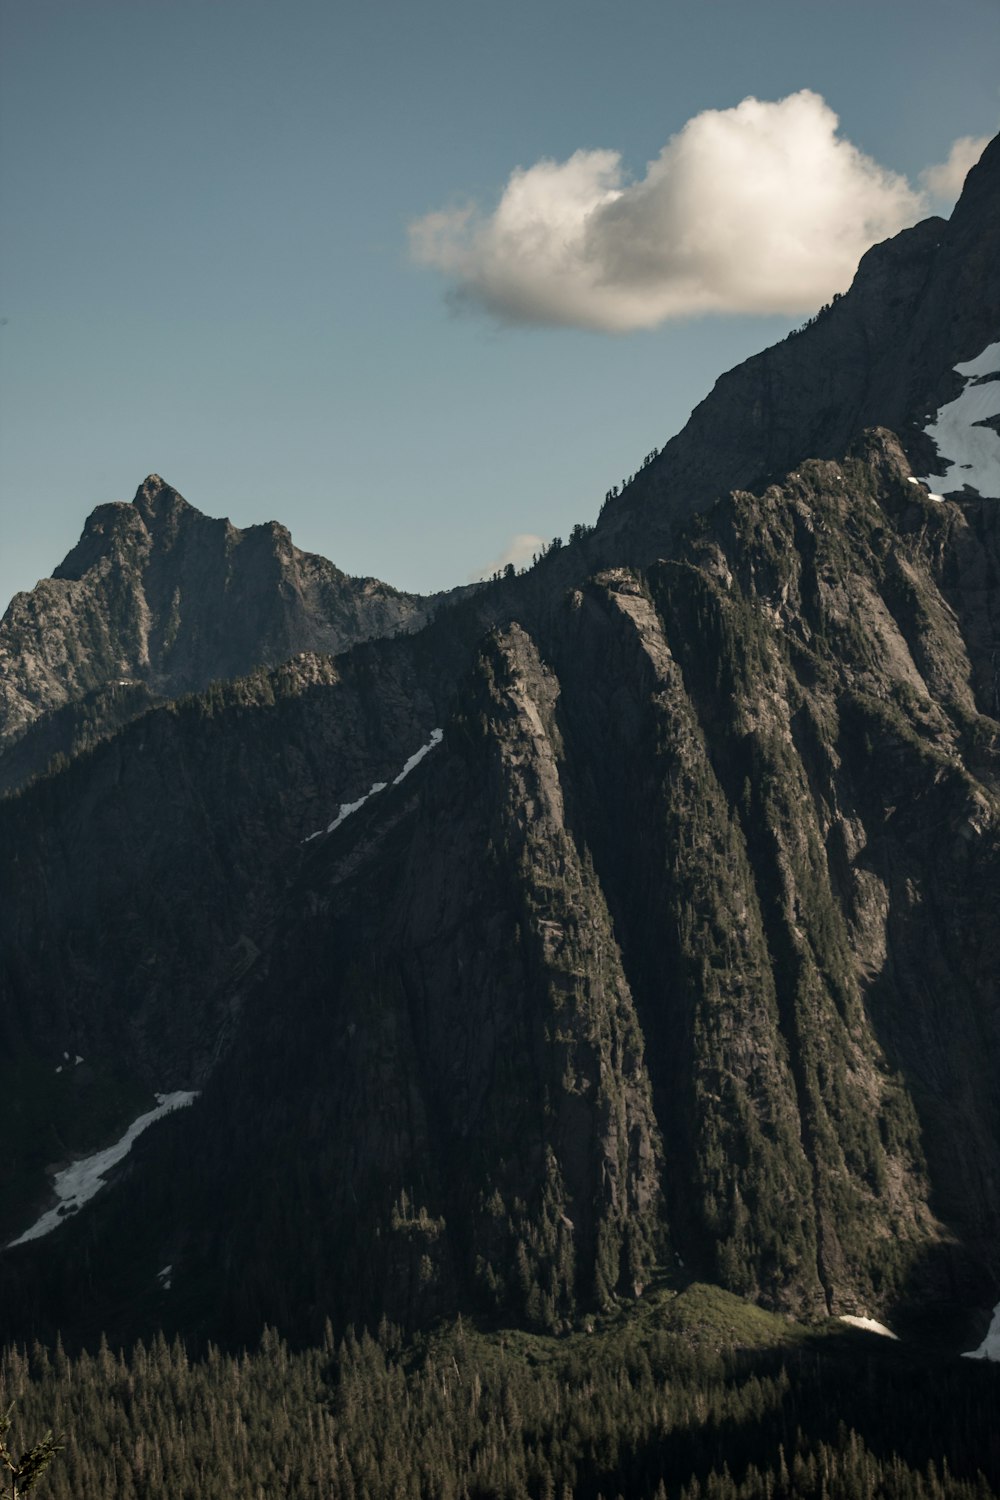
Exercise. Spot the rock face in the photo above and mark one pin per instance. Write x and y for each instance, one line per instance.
(882, 355)
(675, 953)
(157, 600)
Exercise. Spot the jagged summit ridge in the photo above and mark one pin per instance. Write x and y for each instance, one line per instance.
(155, 500)
(158, 594)
(155, 515)
(883, 355)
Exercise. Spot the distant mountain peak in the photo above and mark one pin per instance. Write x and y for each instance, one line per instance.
(158, 593)
(155, 498)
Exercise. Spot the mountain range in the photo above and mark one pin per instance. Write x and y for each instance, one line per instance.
(626, 921)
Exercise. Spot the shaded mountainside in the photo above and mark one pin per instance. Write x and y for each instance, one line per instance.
(678, 953)
(157, 600)
(674, 954)
(883, 355)
(141, 881)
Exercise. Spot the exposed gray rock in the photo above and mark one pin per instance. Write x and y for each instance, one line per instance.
(156, 596)
(679, 947)
(881, 356)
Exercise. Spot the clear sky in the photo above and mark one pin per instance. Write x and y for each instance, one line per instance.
(209, 271)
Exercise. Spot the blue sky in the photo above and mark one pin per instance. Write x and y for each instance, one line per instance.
(206, 268)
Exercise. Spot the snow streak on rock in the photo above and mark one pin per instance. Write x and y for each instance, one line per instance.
(868, 1324)
(437, 735)
(76, 1184)
(347, 808)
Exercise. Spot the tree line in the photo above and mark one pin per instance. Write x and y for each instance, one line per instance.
(631, 1409)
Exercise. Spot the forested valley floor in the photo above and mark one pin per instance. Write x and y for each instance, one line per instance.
(684, 1396)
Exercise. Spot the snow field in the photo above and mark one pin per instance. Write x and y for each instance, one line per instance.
(76, 1184)
(971, 452)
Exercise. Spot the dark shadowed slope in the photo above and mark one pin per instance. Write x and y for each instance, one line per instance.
(678, 952)
(675, 954)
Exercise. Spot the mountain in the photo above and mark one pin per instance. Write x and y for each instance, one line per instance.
(157, 600)
(883, 355)
(632, 920)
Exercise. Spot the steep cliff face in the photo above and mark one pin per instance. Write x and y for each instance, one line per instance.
(676, 955)
(636, 917)
(157, 600)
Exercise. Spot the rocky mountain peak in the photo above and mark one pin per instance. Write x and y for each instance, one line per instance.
(981, 192)
(112, 529)
(155, 500)
(124, 532)
(159, 598)
(882, 355)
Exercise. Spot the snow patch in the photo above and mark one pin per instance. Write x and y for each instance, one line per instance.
(868, 1324)
(971, 451)
(76, 1184)
(912, 479)
(437, 735)
(166, 1277)
(347, 808)
(987, 363)
(990, 1347)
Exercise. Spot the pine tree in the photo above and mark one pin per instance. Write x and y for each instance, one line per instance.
(26, 1471)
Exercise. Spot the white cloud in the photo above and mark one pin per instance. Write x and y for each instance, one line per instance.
(518, 550)
(760, 208)
(945, 181)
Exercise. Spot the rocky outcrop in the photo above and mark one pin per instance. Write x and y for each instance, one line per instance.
(157, 600)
